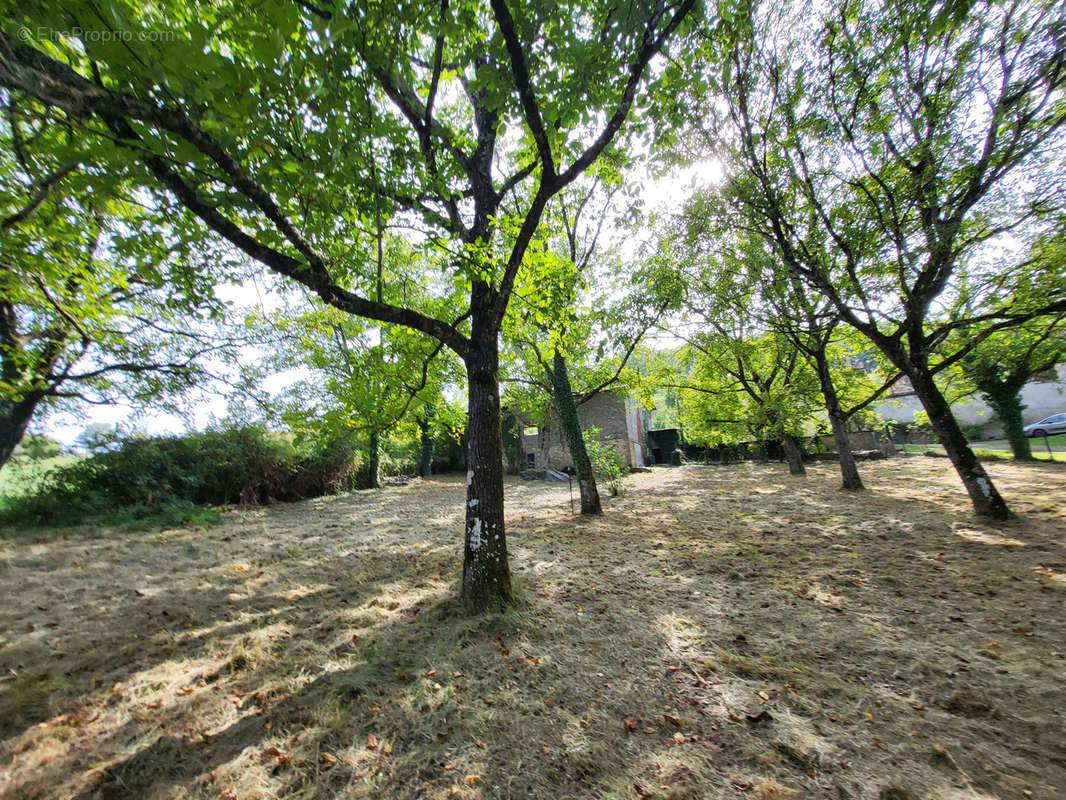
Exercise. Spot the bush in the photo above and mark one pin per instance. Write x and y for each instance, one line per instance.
(167, 478)
(607, 464)
(36, 447)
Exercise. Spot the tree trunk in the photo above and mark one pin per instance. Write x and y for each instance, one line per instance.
(425, 462)
(486, 575)
(373, 464)
(14, 420)
(792, 455)
(1005, 399)
(849, 472)
(575, 441)
(986, 500)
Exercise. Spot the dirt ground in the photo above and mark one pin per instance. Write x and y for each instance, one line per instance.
(721, 632)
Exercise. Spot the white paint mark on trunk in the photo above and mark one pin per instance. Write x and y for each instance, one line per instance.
(469, 477)
(473, 503)
(986, 487)
(475, 535)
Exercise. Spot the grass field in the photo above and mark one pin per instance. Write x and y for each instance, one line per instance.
(996, 449)
(721, 632)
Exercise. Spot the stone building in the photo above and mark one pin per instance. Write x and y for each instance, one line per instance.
(620, 422)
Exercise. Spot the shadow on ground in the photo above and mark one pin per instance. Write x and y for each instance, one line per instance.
(720, 632)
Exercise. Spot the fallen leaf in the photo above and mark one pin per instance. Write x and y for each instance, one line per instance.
(632, 723)
(918, 706)
(387, 748)
(473, 780)
(488, 702)
(442, 736)
(649, 729)
(430, 673)
(672, 720)
(455, 791)
(679, 737)
(371, 742)
(449, 767)
(759, 716)
(327, 760)
(186, 690)
(273, 752)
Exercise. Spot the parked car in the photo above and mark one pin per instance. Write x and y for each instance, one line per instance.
(1056, 423)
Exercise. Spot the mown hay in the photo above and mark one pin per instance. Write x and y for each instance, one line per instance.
(720, 632)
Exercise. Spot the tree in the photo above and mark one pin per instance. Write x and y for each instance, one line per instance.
(893, 155)
(356, 378)
(270, 129)
(738, 371)
(737, 380)
(84, 317)
(725, 257)
(1001, 365)
(556, 317)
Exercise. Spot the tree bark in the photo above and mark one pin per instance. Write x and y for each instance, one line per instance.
(987, 501)
(486, 574)
(792, 455)
(373, 464)
(425, 461)
(567, 409)
(14, 420)
(849, 472)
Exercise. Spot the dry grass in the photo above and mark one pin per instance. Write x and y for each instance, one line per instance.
(721, 632)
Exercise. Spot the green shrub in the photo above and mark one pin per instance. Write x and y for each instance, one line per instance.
(36, 447)
(167, 480)
(607, 464)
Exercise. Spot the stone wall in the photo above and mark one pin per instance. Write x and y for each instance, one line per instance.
(860, 440)
(618, 420)
(1041, 399)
